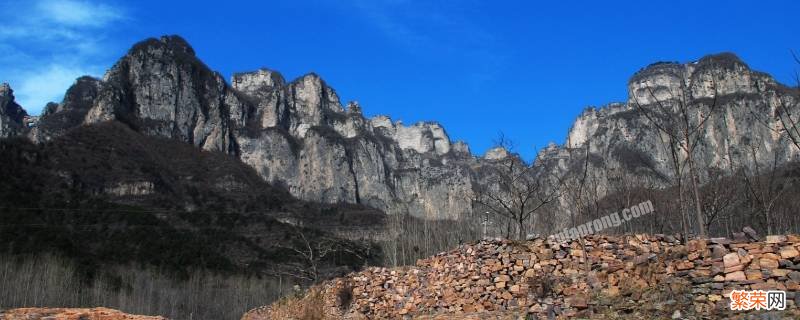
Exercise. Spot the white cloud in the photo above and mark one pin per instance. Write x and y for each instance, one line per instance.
(43, 52)
(78, 13)
(37, 88)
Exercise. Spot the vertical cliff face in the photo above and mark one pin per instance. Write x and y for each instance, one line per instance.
(297, 133)
(161, 88)
(11, 114)
(741, 131)
(743, 120)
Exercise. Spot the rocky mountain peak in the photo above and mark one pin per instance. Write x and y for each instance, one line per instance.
(80, 95)
(496, 153)
(57, 118)
(299, 135)
(353, 107)
(713, 75)
(312, 92)
(259, 81)
(5, 90)
(587, 122)
(173, 43)
(296, 134)
(461, 148)
(621, 136)
(422, 137)
(656, 82)
(11, 114)
(723, 60)
(160, 88)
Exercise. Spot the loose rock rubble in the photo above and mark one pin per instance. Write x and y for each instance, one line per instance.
(594, 277)
(70, 314)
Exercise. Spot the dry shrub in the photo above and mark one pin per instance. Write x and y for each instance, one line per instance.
(312, 309)
(344, 296)
(544, 285)
(307, 307)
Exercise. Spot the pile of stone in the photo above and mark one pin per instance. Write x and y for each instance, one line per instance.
(588, 277)
(70, 314)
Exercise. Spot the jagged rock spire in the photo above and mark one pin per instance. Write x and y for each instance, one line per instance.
(12, 115)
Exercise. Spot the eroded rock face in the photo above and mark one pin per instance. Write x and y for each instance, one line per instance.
(11, 114)
(742, 130)
(496, 153)
(257, 82)
(297, 133)
(422, 137)
(161, 88)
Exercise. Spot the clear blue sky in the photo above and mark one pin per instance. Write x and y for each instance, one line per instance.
(478, 67)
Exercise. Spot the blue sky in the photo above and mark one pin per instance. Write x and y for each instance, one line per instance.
(478, 67)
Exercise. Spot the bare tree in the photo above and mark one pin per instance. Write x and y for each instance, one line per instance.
(719, 199)
(414, 238)
(312, 247)
(789, 122)
(580, 201)
(577, 189)
(514, 190)
(764, 186)
(785, 112)
(674, 117)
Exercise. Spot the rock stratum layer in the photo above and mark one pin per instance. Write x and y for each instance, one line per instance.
(71, 314)
(636, 276)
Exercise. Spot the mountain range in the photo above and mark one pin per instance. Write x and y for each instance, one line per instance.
(299, 137)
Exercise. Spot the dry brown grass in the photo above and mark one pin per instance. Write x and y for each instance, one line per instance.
(309, 306)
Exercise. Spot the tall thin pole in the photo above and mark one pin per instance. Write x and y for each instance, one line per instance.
(485, 221)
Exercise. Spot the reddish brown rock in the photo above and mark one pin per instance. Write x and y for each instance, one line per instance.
(731, 260)
(684, 265)
(788, 252)
(735, 276)
(775, 239)
(754, 275)
(538, 278)
(579, 302)
(71, 314)
(768, 264)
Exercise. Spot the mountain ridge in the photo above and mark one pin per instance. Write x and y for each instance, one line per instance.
(299, 135)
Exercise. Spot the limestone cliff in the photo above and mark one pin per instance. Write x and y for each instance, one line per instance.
(160, 88)
(296, 133)
(299, 135)
(742, 128)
